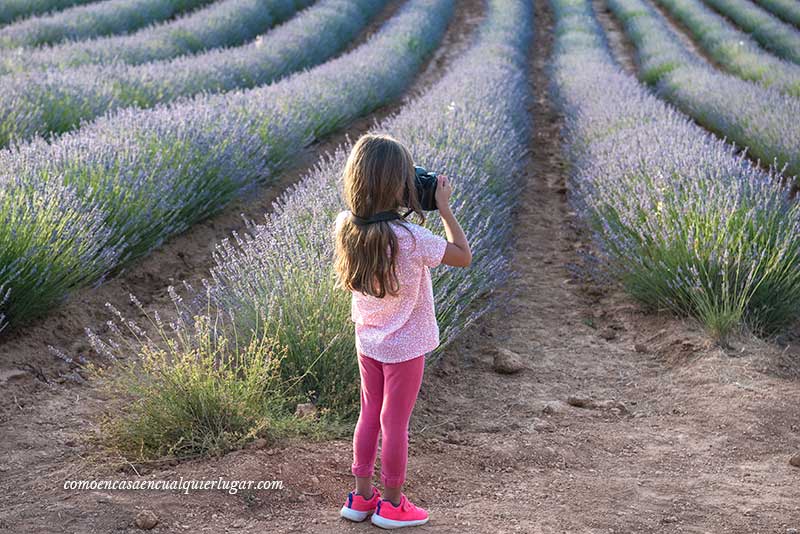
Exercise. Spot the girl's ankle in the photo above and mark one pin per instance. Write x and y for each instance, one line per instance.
(371, 493)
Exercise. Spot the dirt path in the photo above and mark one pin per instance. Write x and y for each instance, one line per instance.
(622, 50)
(27, 366)
(686, 37)
(694, 439)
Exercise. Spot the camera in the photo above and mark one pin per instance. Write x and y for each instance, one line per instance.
(426, 188)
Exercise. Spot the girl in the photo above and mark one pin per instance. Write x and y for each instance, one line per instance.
(383, 260)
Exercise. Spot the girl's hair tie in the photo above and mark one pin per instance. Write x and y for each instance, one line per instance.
(378, 217)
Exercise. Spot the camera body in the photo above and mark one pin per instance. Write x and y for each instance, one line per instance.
(426, 188)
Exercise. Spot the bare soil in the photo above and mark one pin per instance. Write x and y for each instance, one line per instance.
(683, 436)
(686, 37)
(622, 50)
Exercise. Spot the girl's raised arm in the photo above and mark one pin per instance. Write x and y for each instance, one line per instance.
(457, 253)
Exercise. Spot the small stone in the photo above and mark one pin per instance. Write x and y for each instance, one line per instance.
(146, 520)
(507, 362)
(554, 407)
(580, 401)
(259, 443)
(612, 405)
(541, 425)
(639, 347)
(608, 334)
(670, 519)
(305, 409)
(795, 460)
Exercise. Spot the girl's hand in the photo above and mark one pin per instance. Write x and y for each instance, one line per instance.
(443, 191)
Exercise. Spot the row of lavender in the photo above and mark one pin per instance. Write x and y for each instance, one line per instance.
(788, 10)
(223, 23)
(679, 218)
(57, 101)
(13, 10)
(772, 33)
(734, 50)
(73, 209)
(752, 116)
(278, 279)
(102, 18)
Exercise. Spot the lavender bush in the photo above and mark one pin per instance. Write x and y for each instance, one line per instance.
(788, 10)
(733, 49)
(679, 217)
(50, 242)
(102, 18)
(223, 23)
(153, 173)
(279, 278)
(768, 30)
(11, 10)
(196, 402)
(57, 101)
(759, 118)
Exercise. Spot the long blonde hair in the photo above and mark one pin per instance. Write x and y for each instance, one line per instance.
(378, 177)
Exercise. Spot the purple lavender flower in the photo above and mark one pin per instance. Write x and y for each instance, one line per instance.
(223, 23)
(680, 218)
(57, 101)
(770, 32)
(148, 174)
(102, 18)
(278, 278)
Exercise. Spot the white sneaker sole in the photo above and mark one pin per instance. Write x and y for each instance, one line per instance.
(353, 515)
(382, 522)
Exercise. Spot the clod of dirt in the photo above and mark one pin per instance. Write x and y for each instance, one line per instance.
(612, 405)
(260, 443)
(305, 409)
(146, 520)
(608, 334)
(11, 374)
(640, 347)
(581, 401)
(555, 407)
(795, 460)
(540, 425)
(507, 362)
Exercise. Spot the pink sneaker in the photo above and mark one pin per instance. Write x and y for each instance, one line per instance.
(406, 514)
(357, 508)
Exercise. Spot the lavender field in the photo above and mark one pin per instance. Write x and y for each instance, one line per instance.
(626, 172)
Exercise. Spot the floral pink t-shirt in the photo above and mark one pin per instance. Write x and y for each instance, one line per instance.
(397, 328)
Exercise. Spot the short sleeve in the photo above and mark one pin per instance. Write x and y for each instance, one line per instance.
(431, 247)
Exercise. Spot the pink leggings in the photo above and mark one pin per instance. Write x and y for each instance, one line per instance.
(388, 394)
